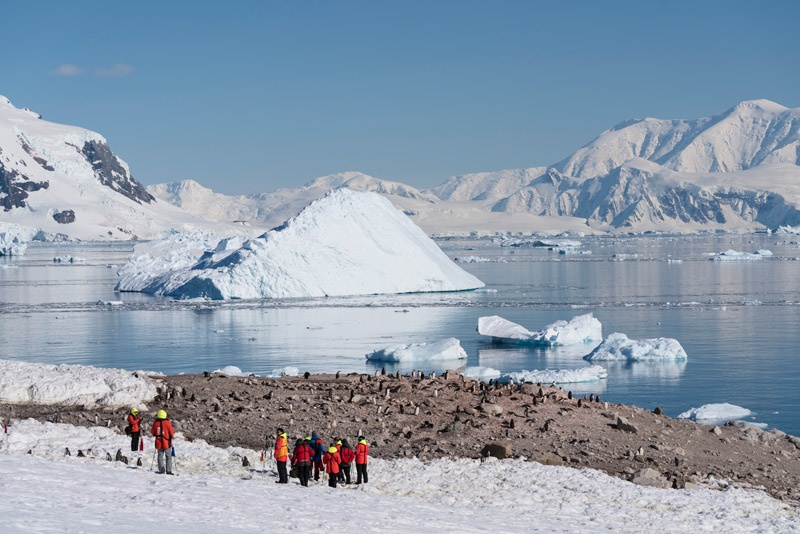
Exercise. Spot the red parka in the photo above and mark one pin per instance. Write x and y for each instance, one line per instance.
(362, 451)
(331, 461)
(163, 431)
(302, 453)
(134, 421)
(347, 455)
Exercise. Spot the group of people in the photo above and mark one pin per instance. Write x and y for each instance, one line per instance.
(310, 453)
(162, 430)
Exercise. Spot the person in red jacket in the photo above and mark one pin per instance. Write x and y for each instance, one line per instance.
(281, 455)
(362, 452)
(135, 424)
(348, 455)
(331, 461)
(163, 431)
(301, 460)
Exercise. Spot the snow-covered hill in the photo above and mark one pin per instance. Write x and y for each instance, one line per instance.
(66, 182)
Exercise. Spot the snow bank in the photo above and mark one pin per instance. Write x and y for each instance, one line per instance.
(733, 255)
(715, 413)
(446, 349)
(46, 491)
(619, 347)
(580, 329)
(14, 238)
(559, 376)
(348, 243)
(22, 382)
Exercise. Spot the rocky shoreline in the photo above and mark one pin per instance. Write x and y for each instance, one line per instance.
(428, 416)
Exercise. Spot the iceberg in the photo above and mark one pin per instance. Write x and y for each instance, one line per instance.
(580, 329)
(446, 349)
(14, 238)
(733, 255)
(348, 243)
(556, 376)
(715, 413)
(481, 373)
(618, 346)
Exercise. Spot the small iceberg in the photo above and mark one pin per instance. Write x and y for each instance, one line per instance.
(446, 349)
(580, 329)
(715, 413)
(556, 376)
(734, 256)
(618, 347)
(481, 373)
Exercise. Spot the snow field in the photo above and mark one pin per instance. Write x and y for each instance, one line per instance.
(47, 491)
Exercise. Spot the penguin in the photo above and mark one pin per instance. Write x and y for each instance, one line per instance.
(245, 462)
(66, 452)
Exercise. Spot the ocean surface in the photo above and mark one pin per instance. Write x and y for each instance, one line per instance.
(738, 322)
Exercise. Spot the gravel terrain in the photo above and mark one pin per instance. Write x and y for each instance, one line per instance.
(455, 416)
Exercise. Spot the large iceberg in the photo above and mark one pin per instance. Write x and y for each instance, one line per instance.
(580, 329)
(446, 349)
(618, 346)
(348, 243)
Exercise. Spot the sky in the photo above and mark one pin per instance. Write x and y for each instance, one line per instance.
(248, 97)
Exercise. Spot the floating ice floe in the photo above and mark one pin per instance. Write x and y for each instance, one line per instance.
(733, 255)
(715, 413)
(285, 371)
(618, 346)
(580, 329)
(478, 259)
(556, 376)
(547, 243)
(446, 349)
(22, 382)
(348, 243)
(481, 373)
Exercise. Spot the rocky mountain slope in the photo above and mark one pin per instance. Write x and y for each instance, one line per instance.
(65, 182)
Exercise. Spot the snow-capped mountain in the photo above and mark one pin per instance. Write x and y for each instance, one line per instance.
(65, 181)
(738, 170)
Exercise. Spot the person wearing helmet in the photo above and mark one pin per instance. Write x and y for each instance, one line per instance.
(331, 460)
(362, 452)
(135, 426)
(163, 431)
(301, 460)
(281, 455)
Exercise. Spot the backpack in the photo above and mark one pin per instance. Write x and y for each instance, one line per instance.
(128, 430)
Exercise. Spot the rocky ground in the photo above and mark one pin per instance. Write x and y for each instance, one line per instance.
(454, 416)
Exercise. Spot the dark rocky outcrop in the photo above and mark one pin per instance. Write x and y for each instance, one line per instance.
(111, 173)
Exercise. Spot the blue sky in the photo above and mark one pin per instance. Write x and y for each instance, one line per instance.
(252, 96)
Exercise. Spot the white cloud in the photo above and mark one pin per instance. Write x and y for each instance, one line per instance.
(68, 69)
(118, 70)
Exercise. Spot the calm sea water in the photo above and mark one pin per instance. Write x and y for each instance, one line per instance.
(737, 321)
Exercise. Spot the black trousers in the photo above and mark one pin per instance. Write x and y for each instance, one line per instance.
(283, 475)
(134, 441)
(344, 473)
(361, 470)
(332, 479)
(303, 472)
